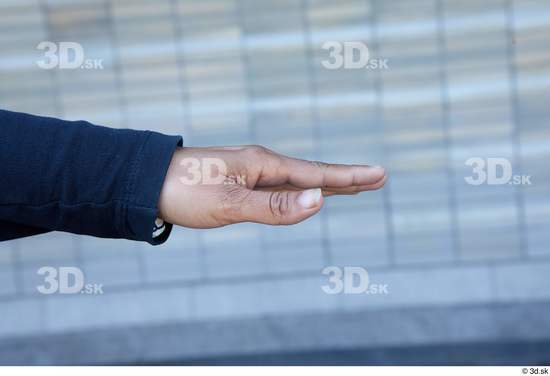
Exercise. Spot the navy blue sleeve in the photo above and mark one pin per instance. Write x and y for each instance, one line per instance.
(81, 178)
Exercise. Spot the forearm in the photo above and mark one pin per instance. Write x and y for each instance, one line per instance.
(81, 178)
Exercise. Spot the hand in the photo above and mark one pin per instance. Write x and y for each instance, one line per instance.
(217, 186)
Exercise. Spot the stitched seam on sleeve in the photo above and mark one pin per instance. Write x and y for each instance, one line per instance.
(130, 184)
(91, 203)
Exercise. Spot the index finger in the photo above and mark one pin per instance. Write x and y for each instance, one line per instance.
(313, 174)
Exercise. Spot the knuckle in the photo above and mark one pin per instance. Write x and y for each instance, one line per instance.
(256, 150)
(279, 204)
(232, 199)
(323, 167)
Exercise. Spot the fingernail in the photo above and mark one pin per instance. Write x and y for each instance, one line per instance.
(310, 198)
(379, 168)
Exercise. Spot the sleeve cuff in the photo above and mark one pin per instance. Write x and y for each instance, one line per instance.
(145, 183)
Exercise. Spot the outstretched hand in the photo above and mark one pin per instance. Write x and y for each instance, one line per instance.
(217, 186)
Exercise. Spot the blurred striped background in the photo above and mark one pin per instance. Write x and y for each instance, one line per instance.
(465, 79)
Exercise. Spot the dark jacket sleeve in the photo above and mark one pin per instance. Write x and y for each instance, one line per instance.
(81, 178)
